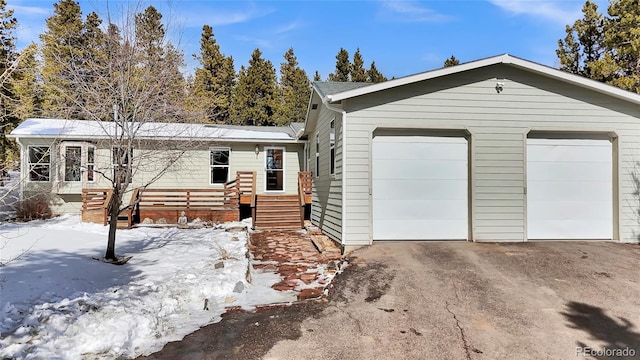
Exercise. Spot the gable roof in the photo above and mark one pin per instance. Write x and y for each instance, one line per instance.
(85, 129)
(334, 92)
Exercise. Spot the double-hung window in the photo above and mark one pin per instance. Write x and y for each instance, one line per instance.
(317, 154)
(332, 147)
(219, 165)
(39, 163)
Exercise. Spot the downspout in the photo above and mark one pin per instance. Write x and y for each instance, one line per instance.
(343, 211)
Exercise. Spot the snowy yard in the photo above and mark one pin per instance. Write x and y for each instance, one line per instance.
(56, 301)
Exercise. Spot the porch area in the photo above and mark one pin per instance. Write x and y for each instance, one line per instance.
(268, 212)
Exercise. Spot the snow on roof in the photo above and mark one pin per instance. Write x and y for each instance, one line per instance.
(61, 128)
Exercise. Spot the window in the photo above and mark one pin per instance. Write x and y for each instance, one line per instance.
(332, 147)
(317, 154)
(219, 165)
(39, 163)
(72, 163)
(122, 170)
(91, 163)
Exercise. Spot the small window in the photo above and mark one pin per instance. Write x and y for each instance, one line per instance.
(332, 148)
(121, 164)
(219, 165)
(317, 154)
(91, 163)
(39, 163)
(73, 163)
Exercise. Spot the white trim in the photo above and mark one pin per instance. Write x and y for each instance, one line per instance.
(284, 174)
(332, 147)
(317, 155)
(343, 210)
(228, 166)
(500, 59)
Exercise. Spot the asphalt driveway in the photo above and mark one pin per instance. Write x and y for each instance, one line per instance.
(450, 300)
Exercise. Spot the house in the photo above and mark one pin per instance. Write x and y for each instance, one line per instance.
(500, 149)
(176, 167)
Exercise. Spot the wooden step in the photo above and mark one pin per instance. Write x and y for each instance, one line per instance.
(278, 212)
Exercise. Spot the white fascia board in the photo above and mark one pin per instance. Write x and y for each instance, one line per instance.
(416, 78)
(501, 59)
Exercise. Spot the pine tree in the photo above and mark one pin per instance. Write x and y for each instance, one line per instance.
(316, 76)
(605, 48)
(254, 97)
(452, 61)
(294, 89)
(583, 43)
(62, 46)
(8, 56)
(156, 54)
(621, 64)
(357, 71)
(374, 75)
(343, 67)
(214, 80)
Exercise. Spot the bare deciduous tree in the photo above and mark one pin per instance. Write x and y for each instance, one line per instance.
(129, 86)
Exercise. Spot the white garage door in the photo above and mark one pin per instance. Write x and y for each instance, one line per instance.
(569, 189)
(420, 188)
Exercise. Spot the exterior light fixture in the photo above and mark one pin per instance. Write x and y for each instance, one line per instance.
(499, 87)
(257, 150)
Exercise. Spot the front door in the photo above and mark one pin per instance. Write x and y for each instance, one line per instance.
(274, 168)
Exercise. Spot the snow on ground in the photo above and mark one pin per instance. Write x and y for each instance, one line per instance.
(56, 301)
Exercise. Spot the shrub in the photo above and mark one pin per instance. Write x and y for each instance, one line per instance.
(34, 207)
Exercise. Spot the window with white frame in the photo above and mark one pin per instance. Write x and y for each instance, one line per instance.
(73, 163)
(122, 169)
(78, 162)
(219, 165)
(332, 147)
(39, 163)
(91, 163)
(317, 154)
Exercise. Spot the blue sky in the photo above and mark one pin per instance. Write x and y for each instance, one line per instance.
(403, 36)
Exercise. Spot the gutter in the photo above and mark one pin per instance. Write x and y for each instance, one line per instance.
(344, 168)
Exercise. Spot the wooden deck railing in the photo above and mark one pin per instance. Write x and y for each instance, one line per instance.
(95, 205)
(219, 204)
(246, 183)
(305, 187)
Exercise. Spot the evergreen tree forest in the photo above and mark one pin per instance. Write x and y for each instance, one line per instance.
(42, 79)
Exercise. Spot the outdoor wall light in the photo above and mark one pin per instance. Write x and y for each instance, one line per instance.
(257, 150)
(499, 87)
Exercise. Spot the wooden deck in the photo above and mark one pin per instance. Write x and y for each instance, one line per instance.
(215, 204)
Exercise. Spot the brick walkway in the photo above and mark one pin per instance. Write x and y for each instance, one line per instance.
(293, 255)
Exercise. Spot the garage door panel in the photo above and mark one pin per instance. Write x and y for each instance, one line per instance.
(570, 229)
(414, 229)
(419, 186)
(569, 189)
(586, 210)
(416, 209)
(420, 189)
(568, 171)
(420, 169)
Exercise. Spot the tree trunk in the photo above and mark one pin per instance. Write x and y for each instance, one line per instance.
(114, 211)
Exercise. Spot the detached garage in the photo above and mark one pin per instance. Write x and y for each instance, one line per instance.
(498, 150)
